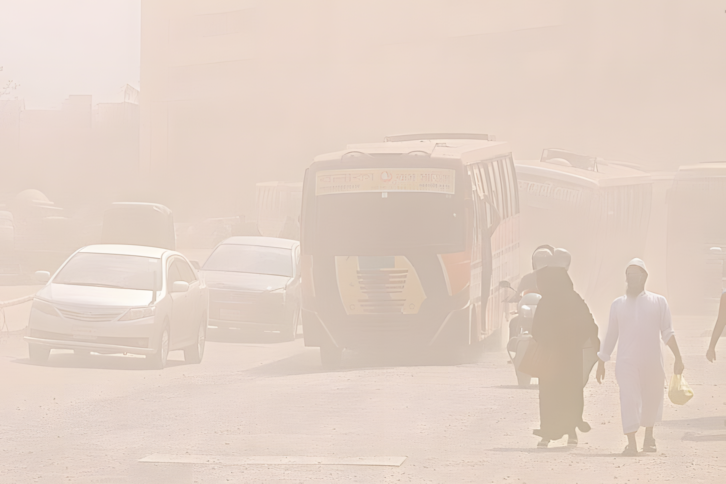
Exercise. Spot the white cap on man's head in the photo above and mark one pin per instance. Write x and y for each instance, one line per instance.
(638, 263)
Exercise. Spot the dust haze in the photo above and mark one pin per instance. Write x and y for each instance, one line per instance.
(261, 241)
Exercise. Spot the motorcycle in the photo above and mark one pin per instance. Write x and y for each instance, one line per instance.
(520, 334)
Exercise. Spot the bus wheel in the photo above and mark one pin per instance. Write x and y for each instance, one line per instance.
(331, 356)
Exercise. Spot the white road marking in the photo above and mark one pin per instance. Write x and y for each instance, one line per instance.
(237, 460)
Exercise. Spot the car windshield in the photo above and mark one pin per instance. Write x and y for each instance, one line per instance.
(111, 270)
(250, 259)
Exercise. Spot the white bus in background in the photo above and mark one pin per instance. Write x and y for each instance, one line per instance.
(277, 202)
(696, 238)
(597, 210)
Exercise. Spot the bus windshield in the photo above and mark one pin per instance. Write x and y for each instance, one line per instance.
(361, 222)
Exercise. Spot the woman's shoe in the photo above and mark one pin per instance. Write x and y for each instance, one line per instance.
(649, 445)
(542, 444)
(630, 451)
(584, 427)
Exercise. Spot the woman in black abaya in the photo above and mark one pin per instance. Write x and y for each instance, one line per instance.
(562, 324)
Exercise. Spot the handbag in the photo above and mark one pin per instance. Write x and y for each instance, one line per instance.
(678, 391)
(534, 362)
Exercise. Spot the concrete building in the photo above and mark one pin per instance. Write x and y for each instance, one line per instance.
(77, 154)
(239, 91)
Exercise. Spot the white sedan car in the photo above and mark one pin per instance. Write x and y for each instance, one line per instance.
(121, 299)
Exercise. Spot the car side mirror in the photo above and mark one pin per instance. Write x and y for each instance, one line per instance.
(196, 265)
(180, 286)
(505, 285)
(41, 277)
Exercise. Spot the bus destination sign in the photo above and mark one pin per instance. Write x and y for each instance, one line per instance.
(360, 180)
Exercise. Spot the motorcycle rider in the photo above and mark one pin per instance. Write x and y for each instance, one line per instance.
(541, 257)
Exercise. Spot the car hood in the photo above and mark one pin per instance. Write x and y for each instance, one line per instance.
(241, 281)
(94, 296)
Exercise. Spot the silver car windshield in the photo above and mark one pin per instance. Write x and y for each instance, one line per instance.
(250, 259)
(112, 270)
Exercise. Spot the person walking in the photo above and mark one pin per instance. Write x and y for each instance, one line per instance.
(717, 329)
(638, 321)
(561, 326)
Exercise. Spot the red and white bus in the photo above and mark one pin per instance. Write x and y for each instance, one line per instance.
(405, 242)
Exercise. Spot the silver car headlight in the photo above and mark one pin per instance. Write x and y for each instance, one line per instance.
(275, 295)
(45, 307)
(137, 313)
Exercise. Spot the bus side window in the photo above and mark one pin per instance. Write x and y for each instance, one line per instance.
(499, 199)
(484, 173)
(506, 187)
(478, 181)
(513, 185)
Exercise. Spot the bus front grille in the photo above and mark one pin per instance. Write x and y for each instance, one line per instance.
(383, 290)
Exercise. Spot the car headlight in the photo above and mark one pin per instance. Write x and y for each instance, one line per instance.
(275, 296)
(137, 313)
(44, 307)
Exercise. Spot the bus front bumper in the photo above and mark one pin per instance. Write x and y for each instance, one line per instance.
(378, 330)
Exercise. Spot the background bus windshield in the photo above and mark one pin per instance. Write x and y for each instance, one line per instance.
(360, 222)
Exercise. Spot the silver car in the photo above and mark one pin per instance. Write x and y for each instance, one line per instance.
(121, 299)
(254, 283)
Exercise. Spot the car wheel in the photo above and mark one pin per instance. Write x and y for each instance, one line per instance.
(290, 333)
(331, 356)
(195, 352)
(38, 354)
(158, 359)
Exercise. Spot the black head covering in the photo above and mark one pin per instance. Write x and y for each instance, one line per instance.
(554, 282)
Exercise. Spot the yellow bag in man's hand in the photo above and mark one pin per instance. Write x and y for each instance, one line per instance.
(678, 391)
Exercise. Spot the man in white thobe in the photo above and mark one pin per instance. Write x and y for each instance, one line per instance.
(638, 321)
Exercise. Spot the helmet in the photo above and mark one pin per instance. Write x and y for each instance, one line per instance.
(561, 258)
(541, 258)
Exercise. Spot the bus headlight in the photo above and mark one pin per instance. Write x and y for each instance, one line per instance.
(137, 313)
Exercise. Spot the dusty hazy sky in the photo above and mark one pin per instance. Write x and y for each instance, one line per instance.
(54, 48)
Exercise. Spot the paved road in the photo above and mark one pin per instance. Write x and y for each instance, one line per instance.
(90, 420)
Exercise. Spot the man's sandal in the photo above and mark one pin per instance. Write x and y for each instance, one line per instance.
(649, 445)
(630, 451)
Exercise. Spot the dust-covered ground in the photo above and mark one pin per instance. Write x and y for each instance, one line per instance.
(92, 419)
